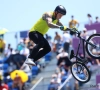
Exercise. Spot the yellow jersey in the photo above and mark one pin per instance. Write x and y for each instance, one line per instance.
(41, 26)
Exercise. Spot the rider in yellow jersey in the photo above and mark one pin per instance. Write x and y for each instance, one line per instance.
(36, 33)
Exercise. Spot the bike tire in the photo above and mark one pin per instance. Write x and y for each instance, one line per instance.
(87, 48)
(89, 74)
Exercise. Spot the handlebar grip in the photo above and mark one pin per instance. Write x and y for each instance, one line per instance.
(73, 30)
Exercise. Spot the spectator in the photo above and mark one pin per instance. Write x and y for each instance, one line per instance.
(12, 67)
(63, 57)
(98, 62)
(60, 57)
(25, 51)
(25, 41)
(57, 37)
(3, 86)
(27, 70)
(66, 38)
(53, 85)
(17, 83)
(57, 77)
(84, 33)
(89, 19)
(8, 51)
(17, 59)
(2, 45)
(20, 46)
(57, 42)
(73, 23)
(97, 20)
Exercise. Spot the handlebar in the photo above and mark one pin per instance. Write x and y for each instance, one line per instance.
(72, 29)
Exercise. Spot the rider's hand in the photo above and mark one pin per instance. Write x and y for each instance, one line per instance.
(64, 28)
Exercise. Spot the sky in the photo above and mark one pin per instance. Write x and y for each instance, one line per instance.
(17, 15)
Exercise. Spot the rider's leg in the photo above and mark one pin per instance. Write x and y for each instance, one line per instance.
(38, 39)
(46, 49)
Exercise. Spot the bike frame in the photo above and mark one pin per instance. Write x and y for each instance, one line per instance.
(83, 42)
(84, 60)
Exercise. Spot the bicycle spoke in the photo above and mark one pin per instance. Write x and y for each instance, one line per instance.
(80, 72)
(95, 40)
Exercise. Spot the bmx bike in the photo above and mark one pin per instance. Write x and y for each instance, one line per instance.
(91, 45)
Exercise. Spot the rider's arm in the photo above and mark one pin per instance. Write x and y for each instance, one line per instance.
(59, 23)
(48, 18)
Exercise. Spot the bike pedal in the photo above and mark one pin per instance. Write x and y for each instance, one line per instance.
(72, 54)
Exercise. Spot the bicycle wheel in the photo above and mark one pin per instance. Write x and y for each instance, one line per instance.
(80, 72)
(94, 52)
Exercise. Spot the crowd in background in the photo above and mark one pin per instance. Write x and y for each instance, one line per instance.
(11, 59)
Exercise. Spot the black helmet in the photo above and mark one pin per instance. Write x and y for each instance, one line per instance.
(61, 9)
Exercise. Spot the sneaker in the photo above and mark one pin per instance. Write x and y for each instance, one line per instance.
(29, 62)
